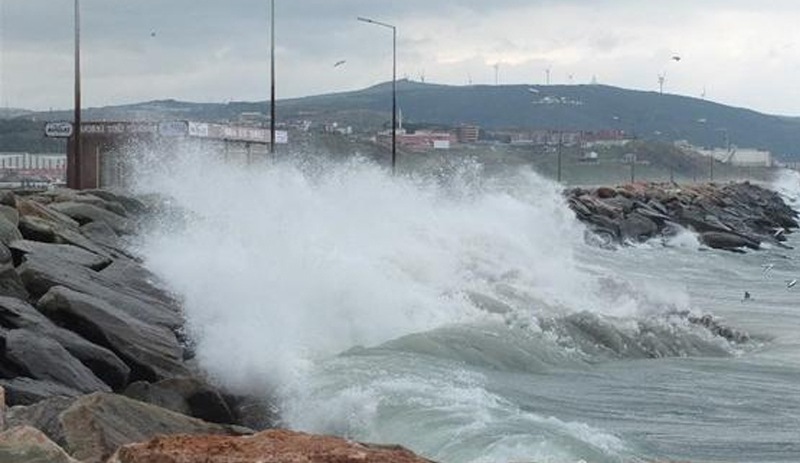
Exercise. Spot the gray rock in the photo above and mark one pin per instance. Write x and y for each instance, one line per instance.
(43, 416)
(40, 274)
(153, 394)
(8, 231)
(15, 313)
(10, 281)
(728, 241)
(201, 399)
(134, 275)
(152, 351)
(45, 359)
(10, 213)
(29, 445)
(27, 391)
(65, 252)
(29, 208)
(37, 229)
(84, 213)
(132, 205)
(637, 227)
(8, 198)
(97, 424)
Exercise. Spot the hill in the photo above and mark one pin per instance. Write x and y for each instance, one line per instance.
(647, 115)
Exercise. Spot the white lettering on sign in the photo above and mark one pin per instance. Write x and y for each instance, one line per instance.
(198, 129)
(58, 129)
(173, 129)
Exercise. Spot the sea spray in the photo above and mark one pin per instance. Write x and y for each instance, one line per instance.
(298, 263)
(285, 265)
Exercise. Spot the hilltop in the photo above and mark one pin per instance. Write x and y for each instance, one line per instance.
(646, 115)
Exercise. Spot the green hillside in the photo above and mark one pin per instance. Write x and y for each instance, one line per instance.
(647, 115)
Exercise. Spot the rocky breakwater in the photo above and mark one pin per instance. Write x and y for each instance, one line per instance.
(733, 216)
(92, 356)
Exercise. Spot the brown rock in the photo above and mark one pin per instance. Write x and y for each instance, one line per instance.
(605, 192)
(28, 445)
(273, 446)
(97, 424)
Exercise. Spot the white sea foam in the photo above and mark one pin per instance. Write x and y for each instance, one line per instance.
(787, 184)
(283, 265)
(296, 261)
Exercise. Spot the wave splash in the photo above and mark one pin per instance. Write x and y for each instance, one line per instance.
(284, 265)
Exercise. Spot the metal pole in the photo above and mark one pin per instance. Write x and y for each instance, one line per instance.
(272, 80)
(560, 135)
(711, 167)
(633, 168)
(394, 85)
(394, 98)
(76, 147)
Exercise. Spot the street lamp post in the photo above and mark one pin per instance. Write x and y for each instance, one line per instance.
(76, 137)
(394, 84)
(272, 80)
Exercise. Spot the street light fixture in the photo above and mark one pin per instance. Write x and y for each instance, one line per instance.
(394, 84)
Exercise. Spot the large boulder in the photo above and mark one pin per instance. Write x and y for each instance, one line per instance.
(29, 445)
(26, 391)
(64, 252)
(43, 358)
(729, 241)
(273, 446)
(10, 282)
(151, 351)
(8, 230)
(132, 274)
(84, 213)
(97, 424)
(131, 205)
(186, 395)
(15, 313)
(43, 416)
(39, 274)
(637, 227)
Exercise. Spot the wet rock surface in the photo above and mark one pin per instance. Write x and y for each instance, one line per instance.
(733, 216)
(274, 446)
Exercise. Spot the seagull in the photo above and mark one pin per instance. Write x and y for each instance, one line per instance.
(790, 284)
(746, 296)
(676, 57)
(767, 268)
(339, 63)
(779, 232)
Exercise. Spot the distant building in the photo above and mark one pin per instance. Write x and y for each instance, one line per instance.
(743, 157)
(419, 141)
(468, 133)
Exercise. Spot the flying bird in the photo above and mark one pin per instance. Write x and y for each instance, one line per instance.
(676, 58)
(339, 63)
(153, 34)
(767, 268)
(746, 296)
(790, 284)
(779, 232)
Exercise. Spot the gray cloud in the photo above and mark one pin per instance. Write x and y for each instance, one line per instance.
(205, 50)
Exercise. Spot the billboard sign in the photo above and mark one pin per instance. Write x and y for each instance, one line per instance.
(58, 129)
(281, 137)
(173, 129)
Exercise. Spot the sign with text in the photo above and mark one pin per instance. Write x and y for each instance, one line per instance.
(58, 129)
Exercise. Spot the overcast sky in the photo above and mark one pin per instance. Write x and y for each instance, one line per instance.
(743, 53)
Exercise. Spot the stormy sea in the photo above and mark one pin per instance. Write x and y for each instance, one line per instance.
(463, 315)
